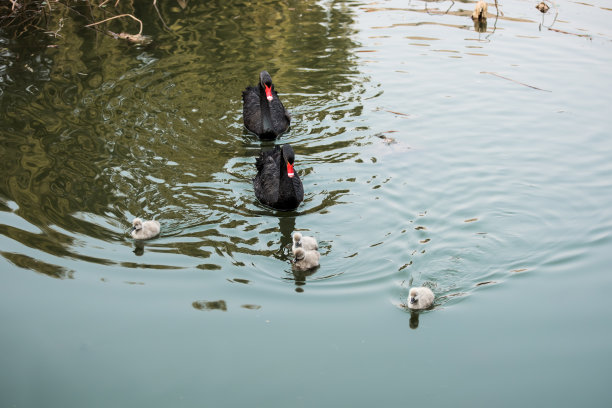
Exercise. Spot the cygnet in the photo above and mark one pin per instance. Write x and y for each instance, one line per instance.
(480, 11)
(305, 259)
(420, 298)
(308, 243)
(145, 229)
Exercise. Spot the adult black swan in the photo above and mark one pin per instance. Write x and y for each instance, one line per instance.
(262, 110)
(276, 184)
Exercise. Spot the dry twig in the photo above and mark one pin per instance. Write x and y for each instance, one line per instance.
(515, 81)
(119, 16)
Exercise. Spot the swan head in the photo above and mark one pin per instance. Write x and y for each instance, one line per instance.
(265, 81)
(137, 224)
(289, 158)
(299, 254)
(297, 238)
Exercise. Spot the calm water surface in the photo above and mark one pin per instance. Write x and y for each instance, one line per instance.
(476, 163)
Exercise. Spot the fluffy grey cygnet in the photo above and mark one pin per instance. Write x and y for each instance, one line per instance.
(145, 229)
(420, 298)
(305, 259)
(308, 243)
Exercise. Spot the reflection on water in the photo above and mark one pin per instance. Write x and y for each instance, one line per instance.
(157, 133)
(480, 25)
(429, 154)
(210, 305)
(299, 276)
(414, 320)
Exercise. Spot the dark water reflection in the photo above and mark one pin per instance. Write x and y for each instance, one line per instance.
(157, 133)
(429, 155)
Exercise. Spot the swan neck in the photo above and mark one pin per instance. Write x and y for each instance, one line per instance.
(266, 115)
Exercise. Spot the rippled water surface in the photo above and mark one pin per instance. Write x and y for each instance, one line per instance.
(475, 160)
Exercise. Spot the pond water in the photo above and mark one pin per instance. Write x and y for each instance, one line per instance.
(476, 163)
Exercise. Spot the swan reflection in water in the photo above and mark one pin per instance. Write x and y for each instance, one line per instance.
(414, 320)
(480, 26)
(138, 248)
(299, 276)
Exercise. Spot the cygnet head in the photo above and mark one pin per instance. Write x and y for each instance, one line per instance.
(299, 254)
(297, 237)
(414, 293)
(137, 223)
(420, 298)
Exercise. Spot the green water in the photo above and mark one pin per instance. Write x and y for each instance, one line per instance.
(478, 164)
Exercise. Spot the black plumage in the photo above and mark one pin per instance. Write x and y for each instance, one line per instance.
(262, 111)
(276, 184)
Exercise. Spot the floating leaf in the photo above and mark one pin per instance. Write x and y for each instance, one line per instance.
(543, 7)
(251, 307)
(212, 305)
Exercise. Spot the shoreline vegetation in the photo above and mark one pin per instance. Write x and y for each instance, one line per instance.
(21, 17)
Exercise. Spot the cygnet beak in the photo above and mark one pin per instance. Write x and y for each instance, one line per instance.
(413, 300)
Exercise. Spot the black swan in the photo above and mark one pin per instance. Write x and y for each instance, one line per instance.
(262, 110)
(276, 184)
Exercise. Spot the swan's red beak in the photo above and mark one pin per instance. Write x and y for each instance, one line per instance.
(268, 92)
(290, 172)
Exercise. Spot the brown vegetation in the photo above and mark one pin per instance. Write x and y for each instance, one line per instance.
(18, 17)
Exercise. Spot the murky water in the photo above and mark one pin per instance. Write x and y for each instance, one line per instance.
(475, 163)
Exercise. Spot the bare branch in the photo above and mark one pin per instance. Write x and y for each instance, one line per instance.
(160, 16)
(517, 82)
(119, 16)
